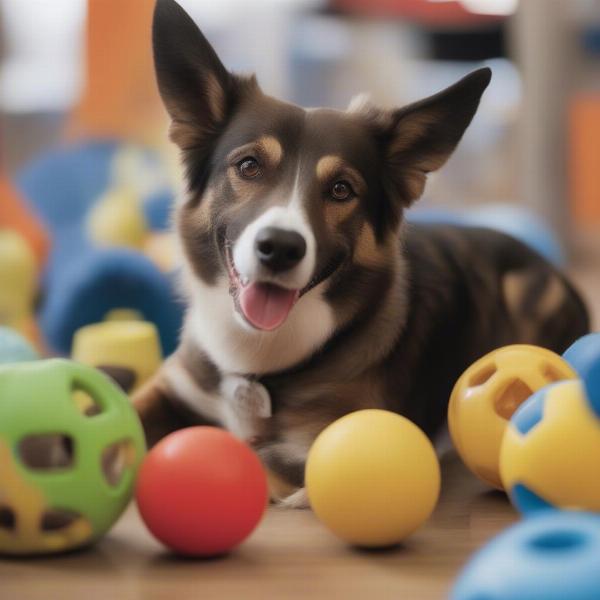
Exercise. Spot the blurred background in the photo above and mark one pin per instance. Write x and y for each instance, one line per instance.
(87, 174)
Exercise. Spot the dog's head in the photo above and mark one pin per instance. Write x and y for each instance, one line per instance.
(281, 200)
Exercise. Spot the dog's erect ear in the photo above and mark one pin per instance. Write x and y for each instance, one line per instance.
(198, 92)
(419, 138)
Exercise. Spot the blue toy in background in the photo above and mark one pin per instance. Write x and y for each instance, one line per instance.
(521, 224)
(97, 263)
(553, 556)
(100, 280)
(435, 215)
(515, 221)
(14, 347)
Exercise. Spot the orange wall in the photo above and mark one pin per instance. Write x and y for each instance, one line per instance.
(584, 158)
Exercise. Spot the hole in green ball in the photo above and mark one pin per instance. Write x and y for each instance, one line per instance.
(85, 402)
(47, 451)
(116, 459)
(56, 519)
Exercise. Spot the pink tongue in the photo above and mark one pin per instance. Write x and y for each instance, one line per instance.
(266, 306)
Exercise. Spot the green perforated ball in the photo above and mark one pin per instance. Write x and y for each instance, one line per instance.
(70, 447)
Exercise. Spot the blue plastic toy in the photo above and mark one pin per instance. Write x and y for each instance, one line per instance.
(554, 556)
(515, 221)
(85, 280)
(14, 347)
(551, 450)
(584, 357)
(95, 281)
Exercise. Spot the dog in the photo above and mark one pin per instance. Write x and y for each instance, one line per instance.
(308, 295)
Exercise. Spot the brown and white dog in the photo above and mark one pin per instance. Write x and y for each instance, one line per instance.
(308, 295)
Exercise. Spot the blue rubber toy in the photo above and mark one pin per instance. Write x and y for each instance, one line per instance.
(584, 356)
(97, 281)
(83, 282)
(553, 556)
(14, 347)
(515, 221)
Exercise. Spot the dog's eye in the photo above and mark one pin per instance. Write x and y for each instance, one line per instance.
(248, 167)
(341, 190)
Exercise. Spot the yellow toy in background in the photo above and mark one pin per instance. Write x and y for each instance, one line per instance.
(129, 351)
(372, 478)
(550, 454)
(118, 220)
(486, 396)
(18, 284)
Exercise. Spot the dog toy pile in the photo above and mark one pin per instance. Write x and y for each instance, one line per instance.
(547, 461)
(71, 446)
(72, 449)
(88, 234)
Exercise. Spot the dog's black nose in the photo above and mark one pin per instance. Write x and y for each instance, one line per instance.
(279, 249)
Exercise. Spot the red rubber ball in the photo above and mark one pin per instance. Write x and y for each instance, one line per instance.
(201, 491)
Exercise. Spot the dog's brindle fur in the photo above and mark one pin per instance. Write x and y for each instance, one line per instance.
(395, 312)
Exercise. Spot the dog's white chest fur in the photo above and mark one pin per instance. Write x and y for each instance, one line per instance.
(235, 348)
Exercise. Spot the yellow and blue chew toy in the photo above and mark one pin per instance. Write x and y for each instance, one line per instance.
(550, 455)
(549, 460)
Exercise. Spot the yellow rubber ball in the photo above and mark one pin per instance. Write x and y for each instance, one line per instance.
(550, 454)
(372, 478)
(486, 396)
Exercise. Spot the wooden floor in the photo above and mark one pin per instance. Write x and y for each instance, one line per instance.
(290, 555)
